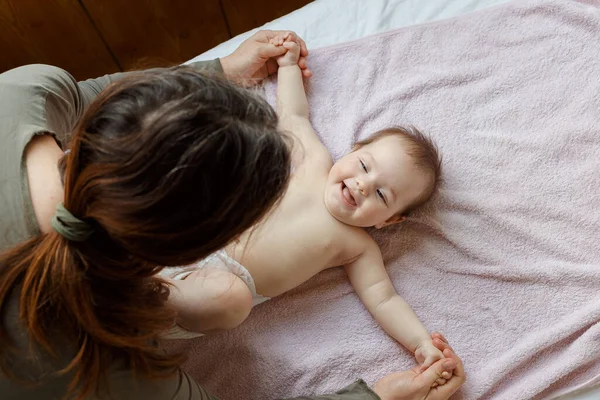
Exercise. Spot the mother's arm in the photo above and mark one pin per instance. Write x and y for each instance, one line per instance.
(38, 98)
(50, 100)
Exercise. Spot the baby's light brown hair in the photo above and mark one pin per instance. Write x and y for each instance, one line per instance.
(424, 153)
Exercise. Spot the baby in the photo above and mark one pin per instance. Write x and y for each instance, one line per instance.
(318, 225)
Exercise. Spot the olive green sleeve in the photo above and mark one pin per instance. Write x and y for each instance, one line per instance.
(356, 391)
(41, 98)
(183, 387)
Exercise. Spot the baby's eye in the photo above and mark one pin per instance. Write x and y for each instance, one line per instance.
(381, 196)
(363, 165)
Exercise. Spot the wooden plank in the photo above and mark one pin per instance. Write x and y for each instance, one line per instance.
(243, 15)
(56, 32)
(141, 33)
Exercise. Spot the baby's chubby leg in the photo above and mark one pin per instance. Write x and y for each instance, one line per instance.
(210, 300)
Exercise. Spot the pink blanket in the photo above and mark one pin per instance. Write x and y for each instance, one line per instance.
(506, 262)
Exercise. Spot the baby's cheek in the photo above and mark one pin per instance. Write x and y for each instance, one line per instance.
(383, 213)
(346, 168)
(371, 214)
(335, 173)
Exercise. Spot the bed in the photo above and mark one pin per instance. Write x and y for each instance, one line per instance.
(265, 353)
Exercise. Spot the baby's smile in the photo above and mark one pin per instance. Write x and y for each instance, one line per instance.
(348, 196)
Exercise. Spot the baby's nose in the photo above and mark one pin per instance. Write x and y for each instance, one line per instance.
(362, 188)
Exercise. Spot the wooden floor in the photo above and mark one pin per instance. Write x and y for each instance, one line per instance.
(90, 38)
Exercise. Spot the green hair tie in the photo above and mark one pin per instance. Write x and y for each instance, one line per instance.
(69, 226)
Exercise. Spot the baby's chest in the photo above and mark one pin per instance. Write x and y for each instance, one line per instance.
(304, 233)
(287, 254)
(294, 242)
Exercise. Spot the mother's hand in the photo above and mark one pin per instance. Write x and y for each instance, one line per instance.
(417, 383)
(253, 60)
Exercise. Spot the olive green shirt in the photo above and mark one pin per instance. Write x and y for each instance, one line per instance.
(41, 99)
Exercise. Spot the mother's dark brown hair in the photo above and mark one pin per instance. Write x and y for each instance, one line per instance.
(168, 167)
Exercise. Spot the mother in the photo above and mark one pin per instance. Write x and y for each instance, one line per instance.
(165, 167)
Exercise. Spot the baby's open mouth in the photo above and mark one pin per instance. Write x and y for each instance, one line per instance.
(348, 195)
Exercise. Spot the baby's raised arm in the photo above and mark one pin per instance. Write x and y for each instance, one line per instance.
(292, 105)
(291, 98)
(374, 287)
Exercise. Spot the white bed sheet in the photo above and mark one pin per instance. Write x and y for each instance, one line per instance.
(328, 22)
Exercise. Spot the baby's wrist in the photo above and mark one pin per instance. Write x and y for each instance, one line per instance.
(423, 342)
(288, 66)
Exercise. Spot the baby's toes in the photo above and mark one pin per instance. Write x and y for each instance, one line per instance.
(440, 381)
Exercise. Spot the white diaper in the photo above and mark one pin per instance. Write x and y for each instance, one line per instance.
(219, 260)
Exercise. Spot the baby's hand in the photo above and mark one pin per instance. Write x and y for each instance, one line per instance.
(427, 354)
(291, 43)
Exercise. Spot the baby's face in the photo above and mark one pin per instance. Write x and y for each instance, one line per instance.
(371, 185)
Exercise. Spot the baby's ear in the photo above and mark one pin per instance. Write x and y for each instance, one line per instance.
(396, 219)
